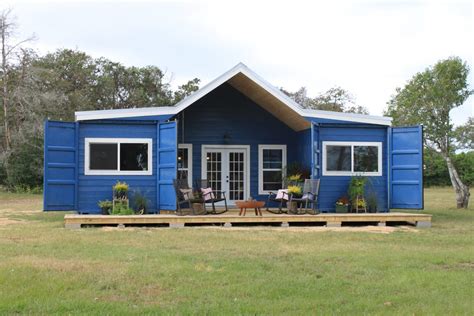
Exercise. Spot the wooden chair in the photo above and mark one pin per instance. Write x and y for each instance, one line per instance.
(213, 197)
(309, 198)
(272, 197)
(185, 196)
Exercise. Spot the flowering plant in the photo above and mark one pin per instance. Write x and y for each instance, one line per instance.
(361, 203)
(121, 187)
(120, 190)
(294, 177)
(342, 201)
(294, 189)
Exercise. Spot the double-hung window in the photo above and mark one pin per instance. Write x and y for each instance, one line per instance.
(185, 163)
(352, 158)
(118, 156)
(271, 167)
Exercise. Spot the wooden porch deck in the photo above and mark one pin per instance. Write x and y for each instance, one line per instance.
(232, 218)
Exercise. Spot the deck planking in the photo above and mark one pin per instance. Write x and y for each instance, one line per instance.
(227, 219)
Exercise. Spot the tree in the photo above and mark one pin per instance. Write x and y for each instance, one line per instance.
(186, 89)
(464, 135)
(8, 52)
(335, 99)
(428, 99)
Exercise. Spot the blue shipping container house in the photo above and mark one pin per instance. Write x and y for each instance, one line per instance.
(240, 133)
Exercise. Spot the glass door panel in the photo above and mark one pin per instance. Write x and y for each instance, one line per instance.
(214, 170)
(226, 170)
(236, 175)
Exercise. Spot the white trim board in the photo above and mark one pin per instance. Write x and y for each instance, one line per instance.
(118, 141)
(352, 172)
(251, 75)
(260, 165)
(189, 147)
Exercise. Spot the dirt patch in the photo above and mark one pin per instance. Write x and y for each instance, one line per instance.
(457, 266)
(307, 229)
(320, 229)
(147, 295)
(6, 221)
(59, 265)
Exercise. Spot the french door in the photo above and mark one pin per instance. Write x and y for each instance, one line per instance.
(226, 169)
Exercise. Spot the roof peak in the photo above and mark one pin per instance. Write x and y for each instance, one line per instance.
(254, 80)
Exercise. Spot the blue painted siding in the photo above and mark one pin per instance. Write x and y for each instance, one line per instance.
(226, 111)
(333, 187)
(93, 188)
(303, 148)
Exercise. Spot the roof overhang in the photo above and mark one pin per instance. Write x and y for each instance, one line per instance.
(254, 87)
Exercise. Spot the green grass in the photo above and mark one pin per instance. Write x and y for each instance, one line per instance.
(46, 269)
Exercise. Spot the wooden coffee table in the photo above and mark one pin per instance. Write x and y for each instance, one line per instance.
(244, 205)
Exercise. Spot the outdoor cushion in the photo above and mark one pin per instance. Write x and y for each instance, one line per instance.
(280, 194)
(206, 195)
(185, 193)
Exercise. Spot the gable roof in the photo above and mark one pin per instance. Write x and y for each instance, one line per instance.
(253, 86)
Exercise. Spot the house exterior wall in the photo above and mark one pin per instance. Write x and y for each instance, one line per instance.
(227, 111)
(93, 188)
(334, 187)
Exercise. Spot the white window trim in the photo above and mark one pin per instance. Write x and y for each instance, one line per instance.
(261, 191)
(117, 141)
(352, 172)
(189, 147)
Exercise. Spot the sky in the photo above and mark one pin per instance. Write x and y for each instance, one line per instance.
(366, 47)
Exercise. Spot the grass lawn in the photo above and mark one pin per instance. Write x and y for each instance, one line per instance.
(45, 268)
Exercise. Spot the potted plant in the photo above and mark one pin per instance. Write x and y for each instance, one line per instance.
(342, 205)
(294, 179)
(372, 202)
(105, 207)
(197, 203)
(122, 209)
(356, 192)
(120, 190)
(140, 203)
(198, 207)
(295, 191)
(371, 197)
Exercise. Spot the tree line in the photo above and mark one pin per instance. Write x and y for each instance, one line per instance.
(55, 85)
(36, 87)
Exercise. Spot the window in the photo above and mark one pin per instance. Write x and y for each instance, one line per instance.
(118, 156)
(271, 165)
(352, 158)
(185, 163)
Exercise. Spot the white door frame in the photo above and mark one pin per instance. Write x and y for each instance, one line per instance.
(246, 148)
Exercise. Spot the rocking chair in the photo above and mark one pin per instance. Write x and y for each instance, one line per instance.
(274, 197)
(185, 196)
(309, 198)
(211, 196)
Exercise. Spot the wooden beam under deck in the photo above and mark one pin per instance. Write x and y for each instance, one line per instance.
(227, 219)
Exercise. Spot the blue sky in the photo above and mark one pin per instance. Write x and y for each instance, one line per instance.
(366, 47)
